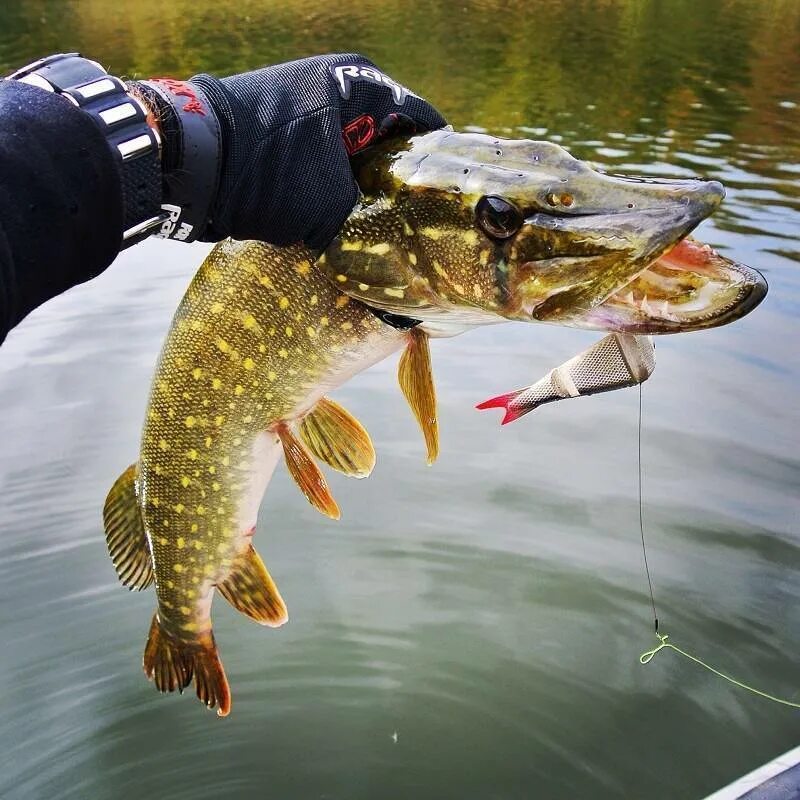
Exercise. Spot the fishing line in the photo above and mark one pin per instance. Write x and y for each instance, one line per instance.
(647, 656)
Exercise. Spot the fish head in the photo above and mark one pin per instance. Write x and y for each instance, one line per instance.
(462, 229)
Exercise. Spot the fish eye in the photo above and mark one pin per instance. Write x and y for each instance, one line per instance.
(498, 218)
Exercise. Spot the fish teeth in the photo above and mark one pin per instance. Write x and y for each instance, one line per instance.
(629, 298)
(664, 310)
(645, 306)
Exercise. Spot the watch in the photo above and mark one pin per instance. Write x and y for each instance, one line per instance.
(122, 119)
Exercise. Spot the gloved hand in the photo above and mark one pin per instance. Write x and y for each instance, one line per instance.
(287, 132)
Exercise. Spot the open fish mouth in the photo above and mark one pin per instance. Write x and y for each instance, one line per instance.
(691, 287)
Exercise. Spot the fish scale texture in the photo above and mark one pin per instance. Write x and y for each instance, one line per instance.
(282, 128)
(257, 339)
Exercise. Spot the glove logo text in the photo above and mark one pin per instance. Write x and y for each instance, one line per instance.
(170, 229)
(346, 74)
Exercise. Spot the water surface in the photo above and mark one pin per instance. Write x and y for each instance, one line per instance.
(469, 630)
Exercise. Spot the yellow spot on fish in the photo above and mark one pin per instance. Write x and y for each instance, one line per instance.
(477, 291)
(342, 301)
(407, 229)
(192, 455)
(208, 442)
(185, 481)
(179, 508)
(283, 353)
(215, 486)
(155, 501)
(431, 233)
(354, 245)
(313, 300)
(239, 390)
(248, 320)
(284, 302)
(197, 325)
(346, 326)
(218, 420)
(190, 421)
(222, 547)
(271, 376)
(194, 527)
(311, 332)
(201, 510)
(153, 414)
(158, 469)
(483, 258)
(440, 270)
(248, 363)
(177, 567)
(324, 321)
(394, 292)
(180, 542)
(208, 570)
(412, 258)
(262, 348)
(223, 345)
(265, 281)
(459, 288)
(217, 308)
(363, 286)
(225, 461)
(195, 579)
(170, 584)
(191, 594)
(470, 236)
(185, 610)
(380, 249)
(189, 627)
(163, 444)
(162, 539)
(289, 331)
(341, 278)
(303, 267)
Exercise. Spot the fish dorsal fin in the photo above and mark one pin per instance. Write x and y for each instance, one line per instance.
(336, 437)
(307, 474)
(416, 381)
(125, 534)
(250, 589)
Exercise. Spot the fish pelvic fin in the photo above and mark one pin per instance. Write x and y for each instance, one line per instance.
(416, 380)
(250, 589)
(505, 401)
(336, 437)
(307, 474)
(125, 534)
(172, 663)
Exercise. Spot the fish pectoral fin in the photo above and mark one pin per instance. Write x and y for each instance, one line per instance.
(173, 663)
(416, 381)
(336, 437)
(125, 534)
(307, 474)
(249, 588)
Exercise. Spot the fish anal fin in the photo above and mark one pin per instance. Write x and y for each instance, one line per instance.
(416, 380)
(172, 663)
(307, 474)
(505, 401)
(249, 588)
(125, 534)
(336, 437)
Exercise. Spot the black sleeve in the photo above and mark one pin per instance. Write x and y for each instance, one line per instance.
(61, 210)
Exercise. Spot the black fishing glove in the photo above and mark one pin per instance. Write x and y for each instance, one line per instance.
(285, 135)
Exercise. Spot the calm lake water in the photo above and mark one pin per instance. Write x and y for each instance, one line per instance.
(469, 630)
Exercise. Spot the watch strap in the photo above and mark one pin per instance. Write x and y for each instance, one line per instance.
(123, 122)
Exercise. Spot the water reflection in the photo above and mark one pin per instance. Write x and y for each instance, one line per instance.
(488, 611)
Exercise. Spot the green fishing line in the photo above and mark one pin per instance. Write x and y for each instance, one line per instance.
(647, 656)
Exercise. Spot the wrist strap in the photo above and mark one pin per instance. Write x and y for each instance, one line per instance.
(122, 120)
(192, 162)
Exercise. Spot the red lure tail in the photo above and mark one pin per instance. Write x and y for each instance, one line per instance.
(505, 401)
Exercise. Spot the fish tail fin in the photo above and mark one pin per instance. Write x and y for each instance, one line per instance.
(172, 664)
(506, 402)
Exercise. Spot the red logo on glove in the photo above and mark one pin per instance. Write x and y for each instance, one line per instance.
(358, 133)
(183, 89)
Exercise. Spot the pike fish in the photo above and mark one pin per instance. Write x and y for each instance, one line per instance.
(453, 231)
